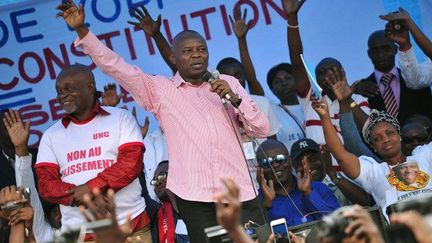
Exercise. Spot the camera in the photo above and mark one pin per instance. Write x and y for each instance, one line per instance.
(400, 233)
(15, 205)
(332, 226)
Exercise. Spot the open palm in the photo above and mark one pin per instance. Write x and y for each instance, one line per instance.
(18, 131)
(73, 15)
(145, 20)
(292, 6)
(239, 23)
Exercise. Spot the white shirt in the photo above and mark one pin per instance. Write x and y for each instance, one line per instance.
(265, 106)
(42, 230)
(313, 123)
(81, 151)
(375, 177)
(290, 131)
(417, 76)
(156, 152)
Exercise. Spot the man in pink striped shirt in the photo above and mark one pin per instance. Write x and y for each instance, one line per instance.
(202, 143)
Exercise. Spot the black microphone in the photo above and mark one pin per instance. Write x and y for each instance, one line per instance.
(210, 77)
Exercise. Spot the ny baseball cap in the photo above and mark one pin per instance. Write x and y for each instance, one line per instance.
(303, 145)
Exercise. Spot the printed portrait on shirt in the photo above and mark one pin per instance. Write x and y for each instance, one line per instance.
(408, 177)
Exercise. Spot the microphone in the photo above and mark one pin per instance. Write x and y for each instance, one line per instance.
(210, 76)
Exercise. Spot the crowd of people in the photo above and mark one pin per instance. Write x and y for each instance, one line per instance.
(222, 155)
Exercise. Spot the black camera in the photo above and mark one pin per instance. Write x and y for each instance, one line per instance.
(332, 226)
(398, 233)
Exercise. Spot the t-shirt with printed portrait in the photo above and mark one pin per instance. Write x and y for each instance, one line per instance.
(390, 184)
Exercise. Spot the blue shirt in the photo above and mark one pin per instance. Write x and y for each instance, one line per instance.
(319, 202)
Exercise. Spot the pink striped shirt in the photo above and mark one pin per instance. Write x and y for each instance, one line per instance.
(202, 146)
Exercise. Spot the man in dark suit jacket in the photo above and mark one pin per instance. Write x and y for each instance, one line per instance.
(382, 52)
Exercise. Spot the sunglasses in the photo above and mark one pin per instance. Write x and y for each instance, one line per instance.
(158, 179)
(268, 162)
(419, 138)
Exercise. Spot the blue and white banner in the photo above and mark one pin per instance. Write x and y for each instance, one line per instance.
(34, 45)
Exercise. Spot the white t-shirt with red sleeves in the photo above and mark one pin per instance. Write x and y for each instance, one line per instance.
(313, 122)
(81, 151)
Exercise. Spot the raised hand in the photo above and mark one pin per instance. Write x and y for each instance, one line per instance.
(321, 108)
(239, 25)
(9, 195)
(361, 228)
(145, 20)
(110, 96)
(18, 131)
(400, 36)
(336, 79)
(103, 207)
(267, 188)
(24, 214)
(366, 89)
(416, 223)
(145, 127)
(304, 179)
(73, 15)
(228, 206)
(292, 6)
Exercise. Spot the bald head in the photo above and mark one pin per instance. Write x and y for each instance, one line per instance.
(190, 56)
(269, 148)
(379, 35)
(185, 35)
(382, 51)
(77, 69)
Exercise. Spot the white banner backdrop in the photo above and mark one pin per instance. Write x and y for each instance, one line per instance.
(34, 45)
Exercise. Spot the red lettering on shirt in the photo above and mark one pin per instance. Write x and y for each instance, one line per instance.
(100, 135)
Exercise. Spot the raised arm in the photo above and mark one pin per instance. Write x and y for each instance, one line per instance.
(336, 79)
(19, 134)
(240, 29)
(142, 86)
(295, 46)
(416, 75)
(348, 162)
(400, 37)
(152, 28)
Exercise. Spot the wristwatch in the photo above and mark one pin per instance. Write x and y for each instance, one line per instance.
(353, 104)
(338, 178)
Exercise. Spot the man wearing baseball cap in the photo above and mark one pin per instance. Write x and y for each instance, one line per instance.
(318, 160)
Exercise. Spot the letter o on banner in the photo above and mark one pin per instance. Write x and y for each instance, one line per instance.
(23, 72)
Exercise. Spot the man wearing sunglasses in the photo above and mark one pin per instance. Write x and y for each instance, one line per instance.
(413, 134)
(298, 199)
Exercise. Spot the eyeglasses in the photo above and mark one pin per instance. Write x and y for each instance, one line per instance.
(159, 178)
(419, 138)
(280, 159)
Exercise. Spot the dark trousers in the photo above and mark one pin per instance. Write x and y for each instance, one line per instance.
(200, 215)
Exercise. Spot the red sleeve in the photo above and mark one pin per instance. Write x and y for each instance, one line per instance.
(51, 187)
(128, 167)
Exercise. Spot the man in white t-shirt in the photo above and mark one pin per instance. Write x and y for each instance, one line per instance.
(281, 82)
(91, 147)
(322, 72)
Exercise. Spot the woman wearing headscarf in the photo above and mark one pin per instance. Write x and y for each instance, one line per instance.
(382, 132)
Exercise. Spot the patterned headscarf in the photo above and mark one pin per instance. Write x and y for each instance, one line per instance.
(374, 118)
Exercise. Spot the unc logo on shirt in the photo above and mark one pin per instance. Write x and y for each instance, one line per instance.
(100, 135)
(303, 144)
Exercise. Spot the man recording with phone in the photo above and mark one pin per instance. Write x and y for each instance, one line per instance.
(201, 134)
